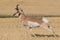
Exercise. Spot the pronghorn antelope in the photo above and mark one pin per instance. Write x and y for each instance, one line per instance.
(34, 22)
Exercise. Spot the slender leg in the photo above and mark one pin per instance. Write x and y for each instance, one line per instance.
(49, 28)
(52, 30)
(30, 30)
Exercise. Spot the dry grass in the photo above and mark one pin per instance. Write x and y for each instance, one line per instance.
(11, 29)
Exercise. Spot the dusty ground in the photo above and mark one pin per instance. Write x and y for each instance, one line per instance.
(47, 7)
(11, 28)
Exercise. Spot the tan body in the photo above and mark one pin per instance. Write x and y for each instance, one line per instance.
(24, 19)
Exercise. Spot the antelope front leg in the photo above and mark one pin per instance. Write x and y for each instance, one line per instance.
(30, 30)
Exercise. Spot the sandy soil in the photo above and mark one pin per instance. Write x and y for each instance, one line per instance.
(48, 7)
(11, 28)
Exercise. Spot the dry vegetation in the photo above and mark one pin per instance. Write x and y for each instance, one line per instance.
(11, 28)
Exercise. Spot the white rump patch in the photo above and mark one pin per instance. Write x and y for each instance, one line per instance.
(45, 20)
(33, 24)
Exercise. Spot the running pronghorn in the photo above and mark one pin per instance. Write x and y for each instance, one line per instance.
(31, 22)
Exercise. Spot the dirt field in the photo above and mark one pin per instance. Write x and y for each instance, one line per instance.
(35, 7)
(11, 28)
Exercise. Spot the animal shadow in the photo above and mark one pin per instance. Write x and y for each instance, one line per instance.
(45, 35)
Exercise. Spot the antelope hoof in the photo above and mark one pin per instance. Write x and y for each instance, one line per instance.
(33, 35)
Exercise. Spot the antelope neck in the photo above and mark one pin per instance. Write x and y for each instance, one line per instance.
(22, 16)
